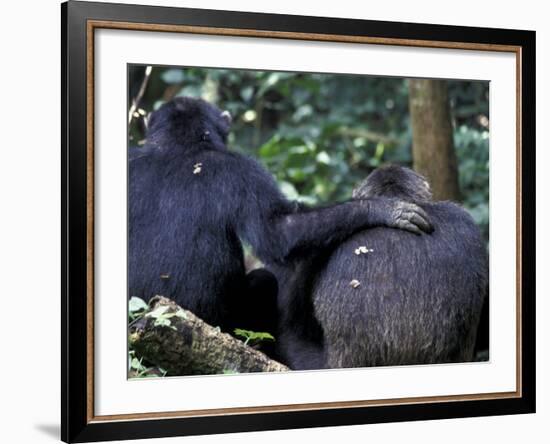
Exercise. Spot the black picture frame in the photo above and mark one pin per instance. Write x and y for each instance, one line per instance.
(77, 424)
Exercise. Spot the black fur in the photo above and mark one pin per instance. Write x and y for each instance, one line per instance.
(418, 298)
(191, 201)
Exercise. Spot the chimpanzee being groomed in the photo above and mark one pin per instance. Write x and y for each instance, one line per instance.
(389, 297)
(192, 201)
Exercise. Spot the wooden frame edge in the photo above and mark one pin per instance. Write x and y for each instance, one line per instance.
(519, 225)
(90, 185)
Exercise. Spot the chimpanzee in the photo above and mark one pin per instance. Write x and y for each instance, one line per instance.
(192, 201)
(388, 297)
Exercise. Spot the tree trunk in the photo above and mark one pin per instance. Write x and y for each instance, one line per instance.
(182, 344)
(433, 148)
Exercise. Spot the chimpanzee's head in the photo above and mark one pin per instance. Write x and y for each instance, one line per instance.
(187, 122)
(394, 181)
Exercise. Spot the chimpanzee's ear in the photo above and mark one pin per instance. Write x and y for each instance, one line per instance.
(362, 190)
(227, 116)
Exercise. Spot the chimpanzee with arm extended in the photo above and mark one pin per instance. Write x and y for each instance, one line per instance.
(191, 201)
(389, 297)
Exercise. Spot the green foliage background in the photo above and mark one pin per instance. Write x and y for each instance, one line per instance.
(320, 134)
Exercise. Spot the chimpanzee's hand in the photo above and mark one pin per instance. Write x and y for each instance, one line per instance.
(395, 213)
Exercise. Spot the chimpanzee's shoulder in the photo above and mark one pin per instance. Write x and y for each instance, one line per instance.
(449, 210)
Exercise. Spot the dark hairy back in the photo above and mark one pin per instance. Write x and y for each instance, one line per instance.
(391, 302)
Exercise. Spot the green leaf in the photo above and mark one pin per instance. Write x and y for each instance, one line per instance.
(270, 82)
(173, 76)
(302, 112)
(190, 91)
(137, 304)
(323, 157)
(271, 148)
(247, 92)
(136, 364)
(162, 322)
(253, 335)
(261, 336)
(180, 314)
(289, 190)
(158, 311)
(241, 332)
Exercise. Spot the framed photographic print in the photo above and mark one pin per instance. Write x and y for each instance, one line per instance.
(275, 221)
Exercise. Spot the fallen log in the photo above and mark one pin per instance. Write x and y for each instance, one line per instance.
(182, 344)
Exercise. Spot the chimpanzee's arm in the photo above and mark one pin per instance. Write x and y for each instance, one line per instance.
(277, 229)
(308, 230)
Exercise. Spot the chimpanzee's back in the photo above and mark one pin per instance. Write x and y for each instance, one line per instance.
(390, 297)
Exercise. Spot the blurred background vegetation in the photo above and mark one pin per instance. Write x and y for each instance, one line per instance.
(320, 134)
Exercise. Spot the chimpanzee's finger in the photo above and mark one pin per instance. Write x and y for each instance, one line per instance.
(421, 212)
(420, 221)
(411, 207)
(418, 216)
(408, 226)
